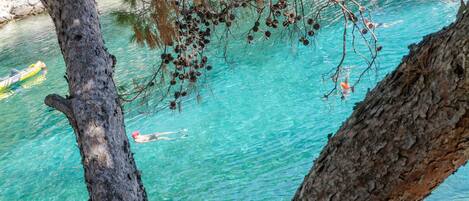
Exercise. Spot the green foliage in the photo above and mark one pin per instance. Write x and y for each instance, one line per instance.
(125, 18)
(141, 27)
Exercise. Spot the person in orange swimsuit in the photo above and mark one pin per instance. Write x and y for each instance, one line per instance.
(346, 89)
(345, 86)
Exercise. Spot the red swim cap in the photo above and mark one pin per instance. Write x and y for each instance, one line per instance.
(135, 134)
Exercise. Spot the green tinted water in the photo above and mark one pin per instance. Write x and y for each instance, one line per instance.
(253, 137)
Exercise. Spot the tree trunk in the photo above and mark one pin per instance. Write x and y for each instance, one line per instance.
(93, 107)
(409, 134)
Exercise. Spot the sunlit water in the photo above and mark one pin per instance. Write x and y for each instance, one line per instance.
(253, 137)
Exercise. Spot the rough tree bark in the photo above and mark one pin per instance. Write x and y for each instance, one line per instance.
(409, 134)
(93, 107)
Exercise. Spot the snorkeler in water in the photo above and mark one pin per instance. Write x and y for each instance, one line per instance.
(156, 136)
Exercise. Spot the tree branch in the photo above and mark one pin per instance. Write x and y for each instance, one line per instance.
(59, 103)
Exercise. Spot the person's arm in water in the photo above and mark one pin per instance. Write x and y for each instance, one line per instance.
(162, 133)
(159, 134)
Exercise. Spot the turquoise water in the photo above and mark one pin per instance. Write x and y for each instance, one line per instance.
(253, 136)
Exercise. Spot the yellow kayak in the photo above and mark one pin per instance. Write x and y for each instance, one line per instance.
(22, 75)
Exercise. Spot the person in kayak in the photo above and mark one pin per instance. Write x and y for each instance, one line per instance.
(155, 136)
(39, 64)
(14, 72)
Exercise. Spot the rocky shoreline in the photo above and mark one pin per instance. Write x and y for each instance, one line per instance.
(17, 9)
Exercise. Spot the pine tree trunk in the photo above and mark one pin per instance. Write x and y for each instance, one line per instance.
(93, 107)
(409, 134)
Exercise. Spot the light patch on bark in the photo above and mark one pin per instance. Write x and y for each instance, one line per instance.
(99, 152)
(76, 23)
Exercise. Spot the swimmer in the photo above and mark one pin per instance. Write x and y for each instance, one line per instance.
(346, 89)
(345, 86)
(156, 136)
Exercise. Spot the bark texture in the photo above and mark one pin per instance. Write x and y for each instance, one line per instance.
(93, 107)
(409, 134)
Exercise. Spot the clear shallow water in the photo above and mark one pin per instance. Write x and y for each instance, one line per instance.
(253, 137)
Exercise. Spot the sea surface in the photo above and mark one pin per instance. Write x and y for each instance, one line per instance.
(253, 135)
